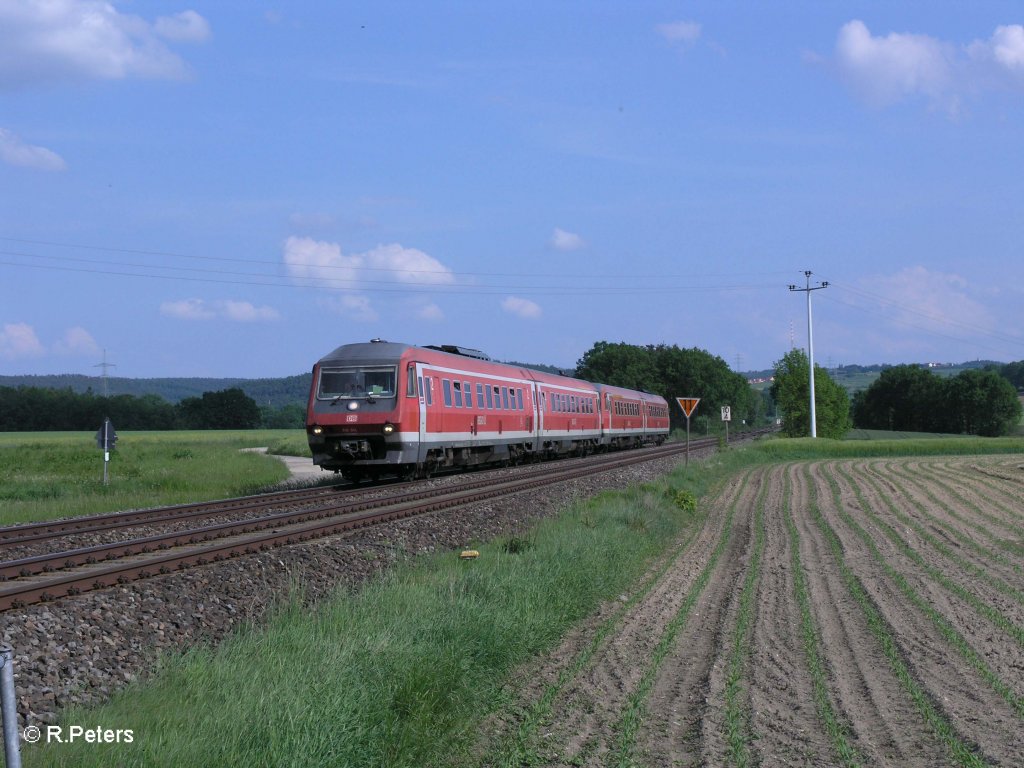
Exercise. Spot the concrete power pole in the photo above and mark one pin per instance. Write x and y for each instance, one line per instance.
(810, 342)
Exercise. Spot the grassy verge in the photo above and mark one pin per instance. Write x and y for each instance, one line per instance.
(402, 673)
(399, 674)
(49, 475)
(794, 449)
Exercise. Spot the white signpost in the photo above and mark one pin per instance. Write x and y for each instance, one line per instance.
(726, 417)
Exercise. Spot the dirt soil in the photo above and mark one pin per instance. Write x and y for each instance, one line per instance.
(904, 646)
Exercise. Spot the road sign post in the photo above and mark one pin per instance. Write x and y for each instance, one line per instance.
(689, 405)
(726, 417)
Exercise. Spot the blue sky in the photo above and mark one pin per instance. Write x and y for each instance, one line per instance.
(234, 189)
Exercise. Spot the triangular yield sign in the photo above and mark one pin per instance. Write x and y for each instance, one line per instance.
(688, 404)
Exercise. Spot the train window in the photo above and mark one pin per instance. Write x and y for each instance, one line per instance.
(357, 382)
(519, 398)
(447, 385)
(504, 397)
(410, 381)
(429, 390)
(468, 389)
(420, 382)
(457, 385)
(490, 398)
(480, 396)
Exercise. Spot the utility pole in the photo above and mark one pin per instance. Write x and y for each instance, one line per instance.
(105, 365)
(810, 341)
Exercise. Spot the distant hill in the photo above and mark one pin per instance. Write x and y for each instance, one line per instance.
(856, 377)
(272, 392)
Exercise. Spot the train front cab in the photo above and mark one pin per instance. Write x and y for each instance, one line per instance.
(359, 412)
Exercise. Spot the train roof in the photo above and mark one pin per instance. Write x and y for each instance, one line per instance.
(374, 351)
(381, 351)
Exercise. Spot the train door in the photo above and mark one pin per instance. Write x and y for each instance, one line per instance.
(536, 412)
(421, 452)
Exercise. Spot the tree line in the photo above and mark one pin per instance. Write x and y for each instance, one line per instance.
(35, 409)
(909, 398)
(672, 372)
(904, 398)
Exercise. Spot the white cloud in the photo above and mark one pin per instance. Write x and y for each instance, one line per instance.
(525, 308)
(225, 309)
(356, 307)
(76, 342)
(19, 341)
(935, 301)
(1008, 47)
(324, 263)
(184, 27)
(884, 70)
(14, 151)
(566, 241)
(244, 312)
(682, 32)
(430, 312)
(61, 40)
(187, 309)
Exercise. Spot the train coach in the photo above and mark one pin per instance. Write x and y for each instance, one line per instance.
(381, 408)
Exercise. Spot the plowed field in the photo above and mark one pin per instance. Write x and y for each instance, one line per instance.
(853, 612)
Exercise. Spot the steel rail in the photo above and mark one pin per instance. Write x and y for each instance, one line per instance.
(54, 561)
(16, 535)
(27, 532)
(19, 594)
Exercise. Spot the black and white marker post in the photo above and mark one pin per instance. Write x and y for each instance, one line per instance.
(106, 438)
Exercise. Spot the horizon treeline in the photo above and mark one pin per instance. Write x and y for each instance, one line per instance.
(36, 409)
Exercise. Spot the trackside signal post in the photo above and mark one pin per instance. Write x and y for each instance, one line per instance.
(726, 417)
(689, 405)
(106, 438)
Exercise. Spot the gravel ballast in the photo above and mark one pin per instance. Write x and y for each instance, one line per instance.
(79, 650)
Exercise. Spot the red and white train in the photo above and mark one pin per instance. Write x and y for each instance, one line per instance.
(381, 408)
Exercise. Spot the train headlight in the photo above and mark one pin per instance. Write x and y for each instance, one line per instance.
(389, 428)
(317, 430)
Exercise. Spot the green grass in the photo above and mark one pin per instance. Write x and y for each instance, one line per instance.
(397, 675)
(885, 434)
(796, 449)
(402, 673)
(49, 475)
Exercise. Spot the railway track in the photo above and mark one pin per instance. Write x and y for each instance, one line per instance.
(62, 572)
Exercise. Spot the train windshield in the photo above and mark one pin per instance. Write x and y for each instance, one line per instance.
(357, 382)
